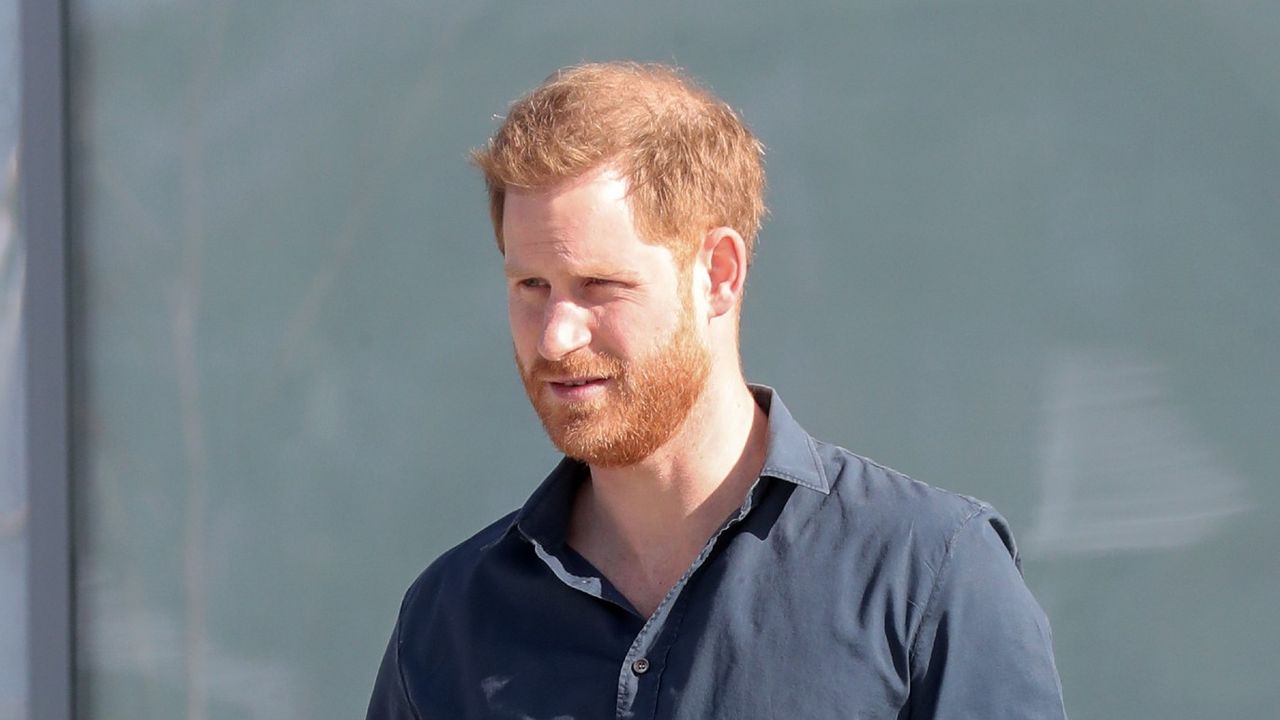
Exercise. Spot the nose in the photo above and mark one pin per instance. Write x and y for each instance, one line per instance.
(564, 330)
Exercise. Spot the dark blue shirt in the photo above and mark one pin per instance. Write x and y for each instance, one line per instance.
(839, 589)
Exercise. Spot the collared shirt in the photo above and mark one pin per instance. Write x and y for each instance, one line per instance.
(839, 589)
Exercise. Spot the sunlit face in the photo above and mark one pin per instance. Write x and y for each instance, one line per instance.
(604, 330)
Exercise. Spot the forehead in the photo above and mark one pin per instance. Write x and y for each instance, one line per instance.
(586, 220)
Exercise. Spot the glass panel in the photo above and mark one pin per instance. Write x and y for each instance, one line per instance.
(13, 461)
(1022, 250)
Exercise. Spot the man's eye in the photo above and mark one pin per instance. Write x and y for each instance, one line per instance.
(601, 281)
(532, 283)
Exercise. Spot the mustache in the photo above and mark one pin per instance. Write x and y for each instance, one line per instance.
(576, 365)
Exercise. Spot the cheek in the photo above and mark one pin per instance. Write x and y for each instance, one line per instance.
(634, 331)
(526, 324)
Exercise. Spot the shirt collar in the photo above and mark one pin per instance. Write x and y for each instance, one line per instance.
(545, 515)
(790, 455)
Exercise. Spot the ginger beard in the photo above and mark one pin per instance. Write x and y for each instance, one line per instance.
(645, 401)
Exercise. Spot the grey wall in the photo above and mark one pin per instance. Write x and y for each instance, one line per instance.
(13, 491)
(1022, 250)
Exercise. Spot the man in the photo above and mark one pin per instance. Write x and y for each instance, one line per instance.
(696, 554)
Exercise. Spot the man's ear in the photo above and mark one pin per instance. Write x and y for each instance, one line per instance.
(724, 255)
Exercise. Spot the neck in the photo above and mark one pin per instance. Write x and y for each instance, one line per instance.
(665, 508)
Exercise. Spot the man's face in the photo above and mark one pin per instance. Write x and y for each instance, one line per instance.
(604, 330)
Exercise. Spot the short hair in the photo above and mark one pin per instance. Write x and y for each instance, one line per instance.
(689, 160)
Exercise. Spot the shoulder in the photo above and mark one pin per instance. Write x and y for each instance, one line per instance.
(892, 499)
(920, 526)
(944, 570)
(913, 541)
(453, 570)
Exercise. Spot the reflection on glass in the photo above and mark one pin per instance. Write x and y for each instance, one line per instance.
(13, 491)
(1122, 468)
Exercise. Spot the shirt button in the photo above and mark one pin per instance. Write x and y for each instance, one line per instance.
(640, 666)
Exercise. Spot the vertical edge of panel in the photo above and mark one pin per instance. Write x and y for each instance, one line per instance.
(43, 219)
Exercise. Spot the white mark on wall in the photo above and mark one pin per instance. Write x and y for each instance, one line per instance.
(1122, 466)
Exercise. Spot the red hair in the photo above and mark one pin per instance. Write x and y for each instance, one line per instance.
(690, 162)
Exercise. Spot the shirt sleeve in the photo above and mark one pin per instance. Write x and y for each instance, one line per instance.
(390, 700)
(983, 649)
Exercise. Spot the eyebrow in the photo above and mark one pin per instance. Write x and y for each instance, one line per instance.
(513, 271)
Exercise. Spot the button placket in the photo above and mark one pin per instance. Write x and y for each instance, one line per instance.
(628, 683)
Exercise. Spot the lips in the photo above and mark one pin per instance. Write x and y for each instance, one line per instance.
(576, 382)
(577, 389)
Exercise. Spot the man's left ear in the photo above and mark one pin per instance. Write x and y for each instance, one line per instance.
(724, 255)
